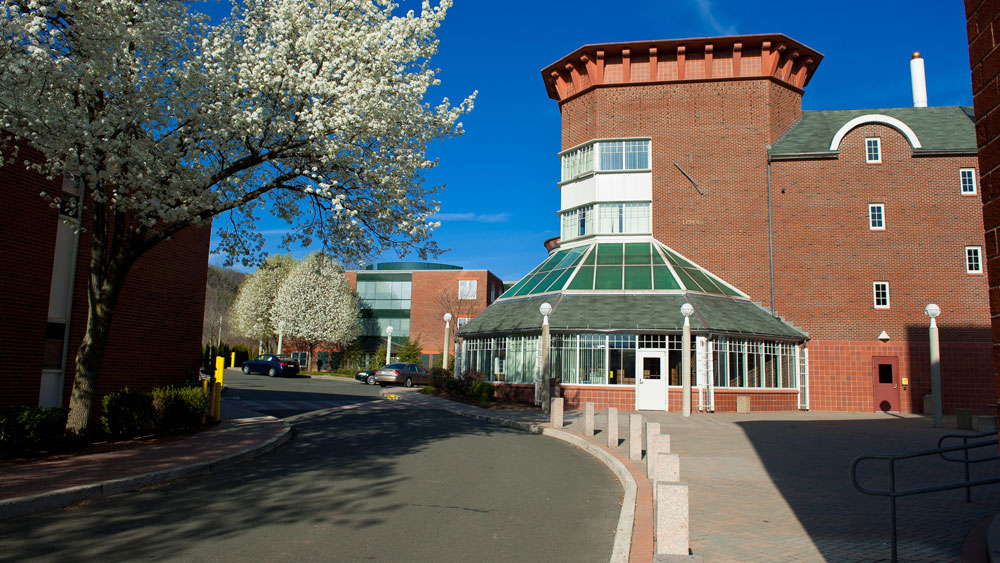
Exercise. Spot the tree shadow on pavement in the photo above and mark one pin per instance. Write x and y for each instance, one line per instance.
(343, 471)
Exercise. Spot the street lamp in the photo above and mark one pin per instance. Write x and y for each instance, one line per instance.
(545, 309)
(388, 346)
(281, 334)
(687, 310)
(933, 311)
(447, 332)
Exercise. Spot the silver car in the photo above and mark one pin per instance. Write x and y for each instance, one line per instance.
(403, 374)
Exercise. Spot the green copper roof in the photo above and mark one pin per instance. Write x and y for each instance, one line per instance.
(947, 128)
(630, 266)
(628, 288)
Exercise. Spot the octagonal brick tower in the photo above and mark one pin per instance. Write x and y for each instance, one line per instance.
(677, 131)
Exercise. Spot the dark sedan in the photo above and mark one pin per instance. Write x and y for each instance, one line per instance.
(366, 376)
(271, 365)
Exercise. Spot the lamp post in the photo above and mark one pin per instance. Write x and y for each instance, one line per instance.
(281, 334)
(388, 346)
(444, 349)
(933, 311)
(545, 309)
(687, 310)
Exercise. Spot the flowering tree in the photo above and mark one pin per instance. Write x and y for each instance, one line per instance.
(308, 110)
(316, 304)
(255, 300)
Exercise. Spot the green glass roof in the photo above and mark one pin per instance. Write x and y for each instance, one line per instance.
(607, 266)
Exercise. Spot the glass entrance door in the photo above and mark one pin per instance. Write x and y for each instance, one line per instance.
(650, 381)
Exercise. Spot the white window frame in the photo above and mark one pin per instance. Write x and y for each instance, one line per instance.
(875, 291)
(970, 267)
(881, 216)
(470, 286)
(878, 150)
(972, 180)
(462, 321)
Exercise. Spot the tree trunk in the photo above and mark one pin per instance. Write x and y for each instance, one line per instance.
(312, 357)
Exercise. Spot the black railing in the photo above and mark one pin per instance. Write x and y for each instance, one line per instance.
(965, 461)
(893, 493)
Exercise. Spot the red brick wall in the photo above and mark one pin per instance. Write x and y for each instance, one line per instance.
(840, 375)
(761, 400)
(984, 60)
(156, 332)
(28, 237)
(621, 397)
(718, 133)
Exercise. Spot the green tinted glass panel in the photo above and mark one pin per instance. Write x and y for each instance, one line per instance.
(656, 258)
(608, 277)
(638, 277)
(663, 279)
(584, 278)
(727, 290)
(705, 282)
(591, 257)
(686, 279)
(677, 260)
(552, 261)
(561, 280)
(571, 257)
(609, 254)
(530, 283)
(637, 253)
(547, 281)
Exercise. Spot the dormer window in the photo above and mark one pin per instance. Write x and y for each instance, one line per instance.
(605, 156)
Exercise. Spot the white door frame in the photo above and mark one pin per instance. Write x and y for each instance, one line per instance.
(651, 394)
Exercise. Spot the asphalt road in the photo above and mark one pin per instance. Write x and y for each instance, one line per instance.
(379, 482)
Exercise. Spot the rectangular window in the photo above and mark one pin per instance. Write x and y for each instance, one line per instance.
(578, 162)
(873, 150)
(876, 216)
(973, 260)
(968, 179)
(611, 156)
(467, 289)
(881, 294)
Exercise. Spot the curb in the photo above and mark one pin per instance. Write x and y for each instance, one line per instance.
(23, 506)
(626, 518)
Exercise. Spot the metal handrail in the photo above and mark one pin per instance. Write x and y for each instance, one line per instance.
(965, 454)
(892, 493)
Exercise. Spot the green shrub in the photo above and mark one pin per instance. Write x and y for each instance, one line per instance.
(469, 380)
(25, 430)
(177, 409)
(127, 414)
(453, 386)
(440, 377)
(481, 391)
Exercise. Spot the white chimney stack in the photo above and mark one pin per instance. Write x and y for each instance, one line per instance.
(918, 81)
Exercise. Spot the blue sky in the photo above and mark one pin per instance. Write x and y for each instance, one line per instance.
(500, 199)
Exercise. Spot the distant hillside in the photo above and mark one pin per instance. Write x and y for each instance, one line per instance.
(220, 292)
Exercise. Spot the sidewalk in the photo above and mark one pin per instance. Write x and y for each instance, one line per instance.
(34, 487)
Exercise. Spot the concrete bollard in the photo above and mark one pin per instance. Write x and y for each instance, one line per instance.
(963, 419)
(635, 437)
(556, 413)
(986, 423)
(652, 428)
(668, 467)
(655, 445)
(672, 518)
(588, 419)
(612, 427)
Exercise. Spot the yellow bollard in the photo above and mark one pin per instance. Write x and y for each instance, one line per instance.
(204, 391)
(232, 360)
(220, 368)
(218, 401)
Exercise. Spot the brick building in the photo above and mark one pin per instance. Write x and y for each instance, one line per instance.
(984, 59)
(155, 335)
(841, 225)
(413, 297)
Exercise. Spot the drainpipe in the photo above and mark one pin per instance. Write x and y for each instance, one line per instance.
(770, 231)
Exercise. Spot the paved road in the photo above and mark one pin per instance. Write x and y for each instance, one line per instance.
(376, 482)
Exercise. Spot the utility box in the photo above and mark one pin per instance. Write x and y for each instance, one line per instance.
(743, 404)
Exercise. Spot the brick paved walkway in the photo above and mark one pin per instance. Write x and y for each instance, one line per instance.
(776, 486)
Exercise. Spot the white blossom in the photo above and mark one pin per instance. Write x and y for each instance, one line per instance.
(254, 303)
(316, 303)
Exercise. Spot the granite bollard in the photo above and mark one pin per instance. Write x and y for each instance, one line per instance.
(556, 416)
(635, 437)
(612, 427)
(672, 518)
(588, 419)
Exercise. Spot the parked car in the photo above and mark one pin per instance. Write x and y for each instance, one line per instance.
(367, 376)
(403, 374)
(271, 365)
